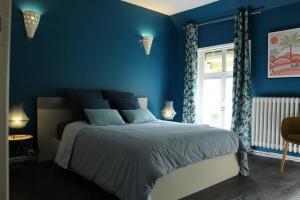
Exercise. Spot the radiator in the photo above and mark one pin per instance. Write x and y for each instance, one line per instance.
(267, 115)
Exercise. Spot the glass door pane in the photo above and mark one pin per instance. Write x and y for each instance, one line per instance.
(213, 62)
(211, 113)
(228, 103)
(229, 60)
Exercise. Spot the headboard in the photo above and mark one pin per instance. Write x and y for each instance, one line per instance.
(50, 112)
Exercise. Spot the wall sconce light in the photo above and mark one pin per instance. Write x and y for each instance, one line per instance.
(17, 117)
(31, 21)
(147, 43)
(168, 112)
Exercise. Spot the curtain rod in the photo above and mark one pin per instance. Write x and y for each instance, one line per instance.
(224, 19)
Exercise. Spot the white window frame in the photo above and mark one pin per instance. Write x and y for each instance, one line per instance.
(202, 76)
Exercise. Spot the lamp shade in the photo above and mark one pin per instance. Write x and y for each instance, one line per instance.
(168, 111)
(31, 20)
(17, 117)
(147, 42)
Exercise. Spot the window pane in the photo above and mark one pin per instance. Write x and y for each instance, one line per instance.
(228, 103)
(229, 60)
(213, 62)
(211, 112)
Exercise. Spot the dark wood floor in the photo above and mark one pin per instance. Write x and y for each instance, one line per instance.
(45, 181)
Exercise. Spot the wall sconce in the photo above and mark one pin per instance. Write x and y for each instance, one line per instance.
(168, 112)
(17, 117)
(147, 43)
(31, 21)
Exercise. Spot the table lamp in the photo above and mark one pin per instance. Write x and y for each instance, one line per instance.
(18, 120)
(168, 111)
(17, 117)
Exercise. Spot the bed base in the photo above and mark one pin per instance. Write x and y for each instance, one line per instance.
(193, 178)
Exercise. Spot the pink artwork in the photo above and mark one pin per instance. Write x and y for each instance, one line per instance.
(284, 54)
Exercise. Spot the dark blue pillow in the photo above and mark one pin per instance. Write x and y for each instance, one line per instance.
(114, 96)
(125, 103)
(94, 103)
(109, 94)
(74, 95)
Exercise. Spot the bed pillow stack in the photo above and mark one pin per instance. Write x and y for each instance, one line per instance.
(128, 106)
(105, 107)
(121, 101)
(89, 105)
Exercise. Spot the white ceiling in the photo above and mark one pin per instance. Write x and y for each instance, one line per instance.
(170, 7)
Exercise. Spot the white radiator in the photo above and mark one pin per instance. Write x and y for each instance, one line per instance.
(267, 115)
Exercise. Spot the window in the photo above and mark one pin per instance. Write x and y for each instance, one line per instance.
(214, 98)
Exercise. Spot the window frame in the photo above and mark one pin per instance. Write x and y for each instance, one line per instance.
(217, 75)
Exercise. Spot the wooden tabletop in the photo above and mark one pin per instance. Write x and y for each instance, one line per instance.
(19, 137)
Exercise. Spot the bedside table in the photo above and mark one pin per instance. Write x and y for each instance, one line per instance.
(21, 145)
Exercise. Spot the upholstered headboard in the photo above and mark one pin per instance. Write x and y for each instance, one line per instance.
(50, 112)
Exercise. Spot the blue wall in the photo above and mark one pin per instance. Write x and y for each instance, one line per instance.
(90, 45)
(272, 19)
(96, 45)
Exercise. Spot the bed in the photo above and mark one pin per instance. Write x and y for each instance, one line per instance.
(115, 157)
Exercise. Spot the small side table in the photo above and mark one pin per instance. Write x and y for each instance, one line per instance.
(22, 144)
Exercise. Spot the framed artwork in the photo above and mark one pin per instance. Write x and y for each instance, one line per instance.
(284, 54)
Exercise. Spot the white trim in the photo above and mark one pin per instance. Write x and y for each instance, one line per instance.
(216, 47)
(274, 155)
(5, 15)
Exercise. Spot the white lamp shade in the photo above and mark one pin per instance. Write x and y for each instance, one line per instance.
(17, 117)
(168, 111)
(147, 42)
(31, 21)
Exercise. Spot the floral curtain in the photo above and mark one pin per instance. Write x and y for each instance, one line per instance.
(242, 86)
(190, 74)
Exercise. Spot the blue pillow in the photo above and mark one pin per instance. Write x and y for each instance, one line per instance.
(103, 117)
(74, 95)
(94, 103)
(109, 94)
(138, 116)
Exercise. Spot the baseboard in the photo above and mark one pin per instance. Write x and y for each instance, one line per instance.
(274, 155)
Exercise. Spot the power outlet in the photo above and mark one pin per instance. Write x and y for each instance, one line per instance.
(31, 152)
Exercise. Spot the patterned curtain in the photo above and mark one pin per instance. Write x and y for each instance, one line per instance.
(242, 87)
(190, 74)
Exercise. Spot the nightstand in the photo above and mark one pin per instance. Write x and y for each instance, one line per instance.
(22, 148)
